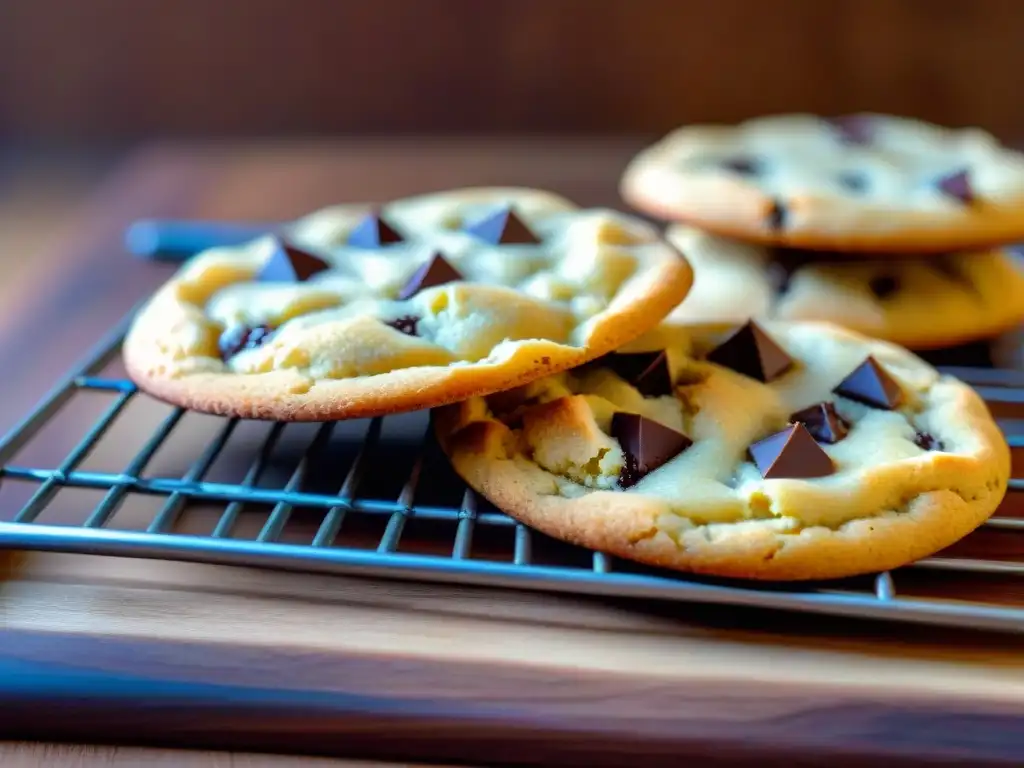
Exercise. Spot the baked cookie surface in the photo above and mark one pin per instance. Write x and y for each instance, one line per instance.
(861, 183)
(783, 451)
(361, 311)
(925, 303)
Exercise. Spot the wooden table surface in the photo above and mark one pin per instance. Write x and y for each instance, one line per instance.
(222, 658)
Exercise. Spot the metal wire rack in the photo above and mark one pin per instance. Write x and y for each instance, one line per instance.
(348, 503)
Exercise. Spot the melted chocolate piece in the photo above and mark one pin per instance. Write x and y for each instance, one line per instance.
(646, 371)
(884, 286)
(853, 181)
(822, 421)
(791, 453)
(927, 442)
(776, 216)
(853, 129)
(646, 445)
(239, 338)
(405, 324)
(958, 186)
(288, 264)
(869, 384)
(437, 271)
(752, 352)
(502, 227)
(742, 165)
(372, 231)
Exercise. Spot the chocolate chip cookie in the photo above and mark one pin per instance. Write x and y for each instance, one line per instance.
(361, 310)
(860, 183)
(777, 451)
(923, 303)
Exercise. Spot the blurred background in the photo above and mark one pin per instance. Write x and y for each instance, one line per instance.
(105, 72)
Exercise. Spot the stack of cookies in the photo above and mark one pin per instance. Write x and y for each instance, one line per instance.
(766, 449)
(888, 226)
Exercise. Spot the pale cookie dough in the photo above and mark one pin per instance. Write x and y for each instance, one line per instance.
(926, 303)
(357, 339)
(858, 183)
(906, 482)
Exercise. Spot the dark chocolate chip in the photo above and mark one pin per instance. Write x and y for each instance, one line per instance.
(853, 129)
(822, 421)
(288, 264)
(502, 227)
(752, 352)
(853, 181)
(646, 445)
(958, 186)
(791, 453)
(239, 338)
(437, 271)
(869, 384)
(372, 231)
(646, 371)
(776, 216)
(927, 442)
(742, 165)
(884, 286)
(406, 324)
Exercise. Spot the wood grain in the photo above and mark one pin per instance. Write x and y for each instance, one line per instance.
(466, 674)
(110, 69)
(27, 755)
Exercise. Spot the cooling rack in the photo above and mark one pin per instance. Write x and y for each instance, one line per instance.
(376, 498)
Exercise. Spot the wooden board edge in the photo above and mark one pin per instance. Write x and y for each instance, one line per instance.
(152, 693)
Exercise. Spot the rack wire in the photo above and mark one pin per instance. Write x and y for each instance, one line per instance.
(372, 484)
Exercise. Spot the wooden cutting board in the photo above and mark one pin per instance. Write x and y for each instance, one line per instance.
(102, 650)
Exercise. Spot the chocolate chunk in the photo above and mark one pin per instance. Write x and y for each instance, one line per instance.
(288, 264)
(502, 227)
(958, 186)
(742, 165)
(406, 324)
(238, 338)
(853, 181)
(883, 286)
(927, 442)
(822, 421)
(776, 216)
(869, 384)
(752, 352)
(372, 231)
(791, 453)
(853, 129)
(646, 445)
(437, 271)
(646, 371)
